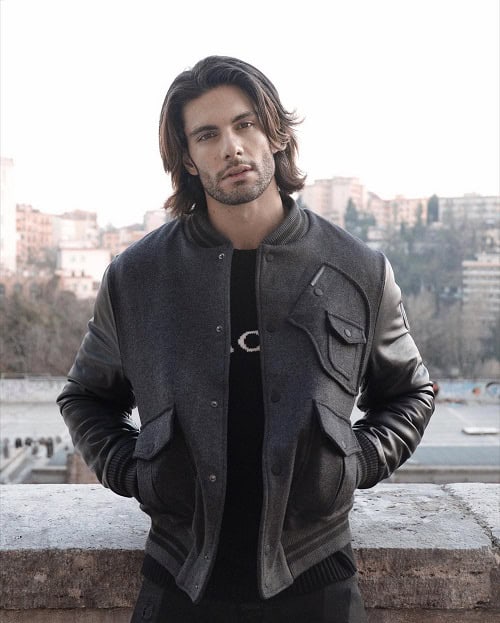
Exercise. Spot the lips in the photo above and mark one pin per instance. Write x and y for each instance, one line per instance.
(237, 170)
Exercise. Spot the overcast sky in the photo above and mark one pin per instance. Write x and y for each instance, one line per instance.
(403, 94)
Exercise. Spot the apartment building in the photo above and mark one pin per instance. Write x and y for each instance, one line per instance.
(117, 239)
(402, 210)
(77, 226)
(329, 197)
(35, 235)
(380, 209)
(471, 208)
(481, 286)
(80, 269)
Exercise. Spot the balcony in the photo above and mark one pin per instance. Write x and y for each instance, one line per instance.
(426, 553)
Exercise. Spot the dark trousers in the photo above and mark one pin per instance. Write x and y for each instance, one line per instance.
(340, 602)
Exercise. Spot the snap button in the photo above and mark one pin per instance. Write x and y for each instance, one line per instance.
(275, 396)
(212, 477)
(348, 332)
(318, 291)
(214, 404)
(219, 328)
(206, 557)
(270, 257)
(222, 256)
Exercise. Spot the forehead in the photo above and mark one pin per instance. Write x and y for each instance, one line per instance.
(216, 107)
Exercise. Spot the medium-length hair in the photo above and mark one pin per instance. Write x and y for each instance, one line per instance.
(278, 123)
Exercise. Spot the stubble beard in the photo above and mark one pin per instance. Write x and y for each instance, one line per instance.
(241, 192)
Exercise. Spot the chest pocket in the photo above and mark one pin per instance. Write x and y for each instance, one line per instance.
(333, 313)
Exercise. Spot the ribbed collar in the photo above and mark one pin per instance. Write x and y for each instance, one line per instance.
(295, 225)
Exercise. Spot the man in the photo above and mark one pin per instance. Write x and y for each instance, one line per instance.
(244, 330)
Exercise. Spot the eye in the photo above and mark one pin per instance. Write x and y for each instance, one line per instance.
(245, 124)
(205, 137)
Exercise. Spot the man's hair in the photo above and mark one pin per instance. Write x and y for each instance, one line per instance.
(277, 122)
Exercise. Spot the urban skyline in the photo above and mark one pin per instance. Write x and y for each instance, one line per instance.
(404, 96)
(138, 215)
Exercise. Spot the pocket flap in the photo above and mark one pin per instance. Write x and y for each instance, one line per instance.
(338, 430)
(347, 331)
(155, 435)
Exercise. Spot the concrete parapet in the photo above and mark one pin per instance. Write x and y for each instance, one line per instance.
(31, 388)
(428, 553)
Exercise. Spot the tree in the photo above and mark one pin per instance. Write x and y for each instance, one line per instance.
(41, 334)
(357, 223)
(433, 209)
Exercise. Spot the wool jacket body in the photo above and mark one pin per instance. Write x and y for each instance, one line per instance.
(332, 328)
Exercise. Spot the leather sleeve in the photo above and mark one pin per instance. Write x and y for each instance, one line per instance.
(396, 394)
(97, 401)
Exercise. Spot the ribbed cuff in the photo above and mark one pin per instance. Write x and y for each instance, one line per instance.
(369, 464)
(337, 567)
(121, 473)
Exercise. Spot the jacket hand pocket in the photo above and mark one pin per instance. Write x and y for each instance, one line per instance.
(165, 473)
(326, 479)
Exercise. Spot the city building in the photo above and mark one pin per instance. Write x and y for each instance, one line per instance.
(406, 211)
(78, 227)
(481, 287)
(35, 235)
(80, 270)
(330, 197)
(117, 239)
(471, 208)
(380, 210)
(8, 263)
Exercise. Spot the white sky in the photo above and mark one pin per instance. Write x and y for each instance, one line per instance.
(403, 94)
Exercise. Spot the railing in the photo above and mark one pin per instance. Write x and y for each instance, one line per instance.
(426, 553)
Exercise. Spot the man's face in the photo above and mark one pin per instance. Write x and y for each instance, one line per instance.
(227, 146)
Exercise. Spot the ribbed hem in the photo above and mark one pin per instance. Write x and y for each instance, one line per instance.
(121, 471)
(368, 461)
(337, 567)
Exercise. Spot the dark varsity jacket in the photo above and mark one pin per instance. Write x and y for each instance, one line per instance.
(332, 328)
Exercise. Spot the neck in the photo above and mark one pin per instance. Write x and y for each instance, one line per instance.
(246, 225)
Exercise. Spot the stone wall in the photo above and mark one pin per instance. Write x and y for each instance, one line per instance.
(426, 553)
(37, 388)
(77, 471)
(31, 388)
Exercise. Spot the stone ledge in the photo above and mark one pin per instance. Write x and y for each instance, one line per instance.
(420, 548)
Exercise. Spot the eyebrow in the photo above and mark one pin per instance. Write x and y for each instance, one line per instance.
(205, 128)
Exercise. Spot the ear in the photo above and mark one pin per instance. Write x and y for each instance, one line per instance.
(189, 164)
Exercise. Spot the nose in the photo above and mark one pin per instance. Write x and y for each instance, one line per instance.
(231, 145)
